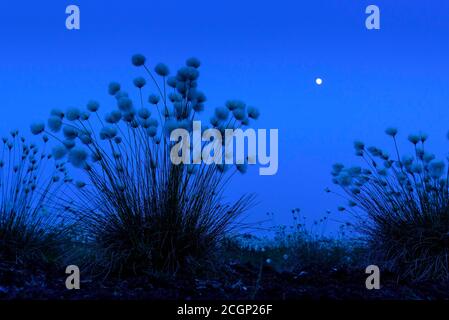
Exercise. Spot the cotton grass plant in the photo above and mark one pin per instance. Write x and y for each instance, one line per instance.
(300, 248)
(140, 211)
(32, 230)
(401, 205)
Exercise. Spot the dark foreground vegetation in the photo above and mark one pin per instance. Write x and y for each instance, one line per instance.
(325, 269)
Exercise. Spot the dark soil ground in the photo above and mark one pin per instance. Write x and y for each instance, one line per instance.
(238, 282)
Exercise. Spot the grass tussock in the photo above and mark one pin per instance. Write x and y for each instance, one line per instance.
(32, 231)
(138, 210)
(401, 204)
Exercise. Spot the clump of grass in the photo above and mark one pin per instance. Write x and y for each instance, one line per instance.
(142, 212)
(401, 205)
(31, 230)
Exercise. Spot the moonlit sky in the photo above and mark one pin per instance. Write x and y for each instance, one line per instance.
(267, 53)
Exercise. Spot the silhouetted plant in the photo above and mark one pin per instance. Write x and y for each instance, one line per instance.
(31, 230)
(139, 209)
(402, 207)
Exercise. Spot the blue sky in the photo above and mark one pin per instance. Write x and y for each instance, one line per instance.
(267, 53)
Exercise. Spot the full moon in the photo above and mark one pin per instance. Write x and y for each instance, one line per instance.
(319, 81)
